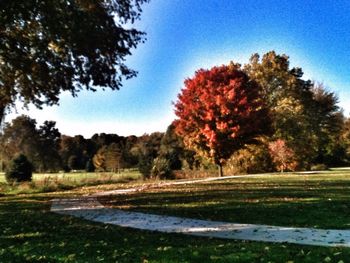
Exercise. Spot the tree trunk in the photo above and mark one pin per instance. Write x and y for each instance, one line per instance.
(2, 114)
(220, 170)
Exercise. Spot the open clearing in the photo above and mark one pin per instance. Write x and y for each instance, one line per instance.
(31, 233)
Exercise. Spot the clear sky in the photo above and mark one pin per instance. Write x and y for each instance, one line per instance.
(185, 35)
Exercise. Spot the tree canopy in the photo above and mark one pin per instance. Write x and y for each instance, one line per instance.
(47, 47)
(39, 145)
(220, 110)
(304, 114)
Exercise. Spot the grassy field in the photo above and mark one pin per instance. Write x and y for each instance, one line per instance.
(306, 200)
(30, 233)
(51, 182)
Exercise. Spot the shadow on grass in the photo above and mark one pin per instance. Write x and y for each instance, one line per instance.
(30, 233)
(320, 204)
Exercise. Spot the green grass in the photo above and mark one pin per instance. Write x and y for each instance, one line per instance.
(51, 182)
(315, 200)
(30, 233)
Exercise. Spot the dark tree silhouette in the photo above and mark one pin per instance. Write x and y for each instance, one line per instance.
(47, 47)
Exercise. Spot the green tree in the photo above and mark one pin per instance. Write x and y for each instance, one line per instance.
(109, 158)
(130, 159)
(21, 136)
(146, 150)
(304, 114)
(19, 170)
(161, 168)
(50, 138)
(77, 146)
(327, 122)
(73, 163)
(114, 158)
(289, 99)
(40, 145)
(48, 47)
(172, 148)
(345, 138)
(89, 167)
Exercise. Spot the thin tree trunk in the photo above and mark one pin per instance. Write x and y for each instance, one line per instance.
(2, 114)
(220, 170)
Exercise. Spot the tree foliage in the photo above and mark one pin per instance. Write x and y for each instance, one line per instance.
(161, 168)
(20, 136)
(328, 122)
(39, 145)
(19, 170)
(282, 156)
(109, 158)
(253, 158)
(76, 151)
(147, 150)
(47, 47)
(304, 114)
(219, 111)
(50, 138)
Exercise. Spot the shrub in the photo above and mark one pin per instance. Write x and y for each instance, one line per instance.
(73, 162)
(161, 168)
(145, 165)
(249, 160)
(282, 156)
(319, 167)
(19, 170)
(89, 167)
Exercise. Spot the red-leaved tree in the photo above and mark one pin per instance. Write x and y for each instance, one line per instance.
(219, 111)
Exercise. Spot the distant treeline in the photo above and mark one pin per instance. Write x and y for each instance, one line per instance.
(157, 154)
(50, 151)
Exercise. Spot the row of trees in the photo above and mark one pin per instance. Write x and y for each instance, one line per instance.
(258, 117)
(48, 150)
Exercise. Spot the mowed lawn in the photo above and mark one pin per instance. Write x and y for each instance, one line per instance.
(31, 233)
(320, 200)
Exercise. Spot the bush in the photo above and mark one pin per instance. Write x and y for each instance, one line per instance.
(89, 167)
(145, 165)
(161, 168)
(283, 157)
(19, 170)
(319, 167)
(250, 160)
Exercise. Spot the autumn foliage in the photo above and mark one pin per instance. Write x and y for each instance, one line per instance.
(219, 110)
(282, 156)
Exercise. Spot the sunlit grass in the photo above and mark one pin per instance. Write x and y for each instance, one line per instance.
(51, 182)
(2, 178)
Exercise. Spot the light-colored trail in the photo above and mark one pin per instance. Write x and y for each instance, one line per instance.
(89, 208)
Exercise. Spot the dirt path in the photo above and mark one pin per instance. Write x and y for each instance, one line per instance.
(89, 208)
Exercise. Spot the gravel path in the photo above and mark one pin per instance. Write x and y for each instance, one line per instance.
(89, 208)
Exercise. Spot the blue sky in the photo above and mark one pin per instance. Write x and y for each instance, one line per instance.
(185, 35)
